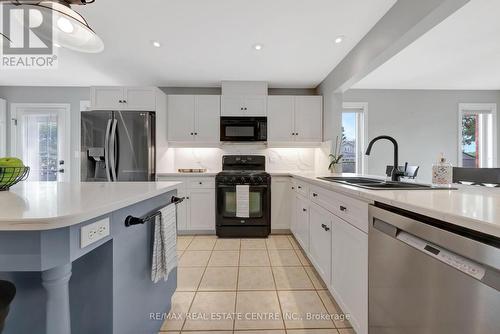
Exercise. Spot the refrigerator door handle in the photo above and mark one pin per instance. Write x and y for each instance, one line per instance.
(106, 150)
(112, 148)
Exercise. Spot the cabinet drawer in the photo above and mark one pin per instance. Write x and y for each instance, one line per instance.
(351, 210)
(301, 187)
(201, 183)
(325, 198)
(354, 212)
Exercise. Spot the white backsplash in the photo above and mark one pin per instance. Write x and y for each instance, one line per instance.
(277, 159)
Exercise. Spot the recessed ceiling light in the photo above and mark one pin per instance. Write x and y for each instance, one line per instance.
(156, 44)
(339, 39)
(258, 47)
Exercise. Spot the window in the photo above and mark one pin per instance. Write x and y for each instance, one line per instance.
(477, 135)
(353, 137)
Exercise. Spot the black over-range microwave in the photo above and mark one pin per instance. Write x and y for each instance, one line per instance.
(243, 129)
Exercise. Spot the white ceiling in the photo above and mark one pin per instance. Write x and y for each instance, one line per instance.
(462, 52)
(204, 42)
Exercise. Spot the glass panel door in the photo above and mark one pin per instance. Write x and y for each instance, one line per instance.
(39, 141)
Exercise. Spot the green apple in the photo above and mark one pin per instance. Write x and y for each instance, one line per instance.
(8, 175)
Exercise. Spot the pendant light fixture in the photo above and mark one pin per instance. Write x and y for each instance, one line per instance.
(68, 29)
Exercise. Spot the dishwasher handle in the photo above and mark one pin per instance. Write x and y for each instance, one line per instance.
(478, 271)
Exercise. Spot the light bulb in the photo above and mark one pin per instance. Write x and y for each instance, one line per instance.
(65, 25)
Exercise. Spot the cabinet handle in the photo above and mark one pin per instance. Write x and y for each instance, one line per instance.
(187, 197)
(124, 101)
(293, 188)
(200, 182)
(246, 108)
(315, 195)
(304, 209)
(192, 133)
(326, 228)
(120, 101)
(196, 133)
(299, 187)
(343, 208)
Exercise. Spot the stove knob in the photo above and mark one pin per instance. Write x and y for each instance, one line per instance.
(260, 179)
(233, 179)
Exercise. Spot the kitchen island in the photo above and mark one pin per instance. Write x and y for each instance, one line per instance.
(76, 266)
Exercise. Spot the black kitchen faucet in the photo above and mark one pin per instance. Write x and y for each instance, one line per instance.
(396, 173)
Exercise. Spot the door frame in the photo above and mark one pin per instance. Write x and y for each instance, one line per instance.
(15, 107)
(3, 127)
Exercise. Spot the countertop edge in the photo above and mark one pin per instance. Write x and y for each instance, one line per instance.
(52, 223)
(371, 197)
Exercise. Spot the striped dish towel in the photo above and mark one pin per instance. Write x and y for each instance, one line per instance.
(164, 244)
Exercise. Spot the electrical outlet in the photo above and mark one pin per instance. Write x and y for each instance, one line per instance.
(94, 232)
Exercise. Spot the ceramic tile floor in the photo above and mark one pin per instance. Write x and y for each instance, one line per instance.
(249, 286)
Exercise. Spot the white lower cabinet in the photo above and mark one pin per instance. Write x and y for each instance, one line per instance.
(281, 205)
(182, 210)
(201, 209)
(349, 283)
(197, 212)
(332, 230)
(301, 223)
(320, 241)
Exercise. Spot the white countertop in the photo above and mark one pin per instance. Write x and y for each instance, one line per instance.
(50, 205)
(473, 207)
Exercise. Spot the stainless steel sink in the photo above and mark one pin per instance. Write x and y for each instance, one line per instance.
(378, 184)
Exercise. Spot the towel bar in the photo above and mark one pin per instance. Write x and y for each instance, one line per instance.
(131, 220)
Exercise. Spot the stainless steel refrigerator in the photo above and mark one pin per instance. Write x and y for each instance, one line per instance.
(118, 146)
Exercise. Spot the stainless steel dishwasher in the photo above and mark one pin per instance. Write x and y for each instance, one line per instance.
(430, 277)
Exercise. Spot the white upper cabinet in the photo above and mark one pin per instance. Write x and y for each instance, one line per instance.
(207, 118)
(193, 118)
(106, 98)
(251, 106)
(181, 109)
(280, 119)
(309, 118)
(255, 106)
(123, 98)
(140, 98)
(232, 106)
(244, 98)
(295, 119)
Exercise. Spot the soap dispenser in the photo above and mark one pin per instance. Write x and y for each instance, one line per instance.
(442, 171)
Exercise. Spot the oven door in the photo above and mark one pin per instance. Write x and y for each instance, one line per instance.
(243, 129)
(226, 206)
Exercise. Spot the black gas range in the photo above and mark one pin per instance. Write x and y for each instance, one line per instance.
(247, 170)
